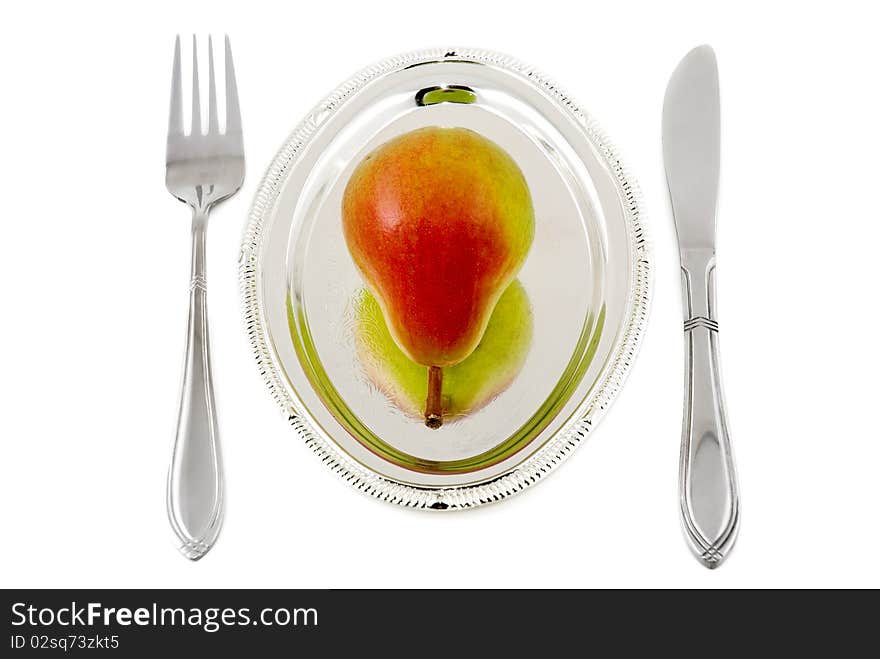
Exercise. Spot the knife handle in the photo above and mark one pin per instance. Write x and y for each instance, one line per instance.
(708, 491)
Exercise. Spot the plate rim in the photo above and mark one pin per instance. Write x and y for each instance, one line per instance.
(561, 445)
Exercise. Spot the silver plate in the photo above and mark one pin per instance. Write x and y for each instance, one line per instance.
(587, 277)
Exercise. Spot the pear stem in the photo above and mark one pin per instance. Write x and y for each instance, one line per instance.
(434, 403)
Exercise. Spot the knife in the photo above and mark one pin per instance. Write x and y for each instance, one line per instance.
(708, 491)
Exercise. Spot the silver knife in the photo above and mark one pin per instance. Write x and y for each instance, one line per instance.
(708, 491)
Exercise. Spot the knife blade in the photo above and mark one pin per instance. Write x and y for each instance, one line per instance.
(692, 147)
(708, 489)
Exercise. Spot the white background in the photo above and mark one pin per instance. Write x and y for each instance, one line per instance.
(95, 262)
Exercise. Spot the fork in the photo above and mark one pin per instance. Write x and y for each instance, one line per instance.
(201, 170)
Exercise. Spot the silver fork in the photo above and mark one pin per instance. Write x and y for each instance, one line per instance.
(201, 170)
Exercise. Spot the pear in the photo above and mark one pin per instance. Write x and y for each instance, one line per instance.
(439, 222)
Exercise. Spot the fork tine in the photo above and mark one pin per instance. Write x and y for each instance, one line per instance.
(175, 114)
(212, 91)
(233, 116)
(196, 108)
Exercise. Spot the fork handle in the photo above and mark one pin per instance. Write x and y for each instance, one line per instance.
(195, 478)
(708, 491)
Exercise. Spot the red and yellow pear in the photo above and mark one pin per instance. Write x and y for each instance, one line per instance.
(439, 222)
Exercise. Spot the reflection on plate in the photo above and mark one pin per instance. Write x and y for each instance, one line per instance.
(580, 298)
(467, 386)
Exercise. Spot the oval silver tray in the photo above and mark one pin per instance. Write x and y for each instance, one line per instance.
(587, 279)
